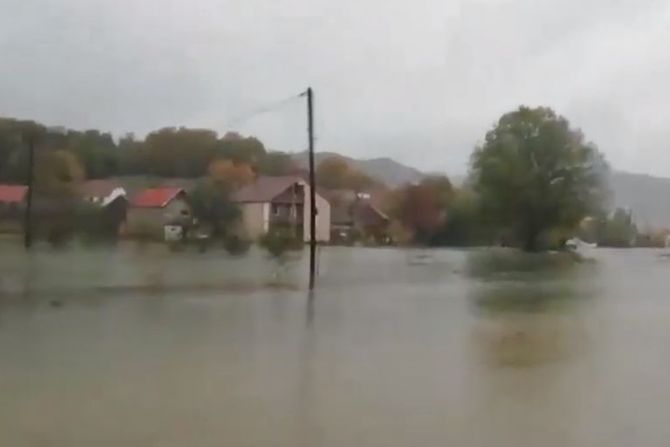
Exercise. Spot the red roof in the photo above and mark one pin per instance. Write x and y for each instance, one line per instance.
(155, 197)
(12, 193)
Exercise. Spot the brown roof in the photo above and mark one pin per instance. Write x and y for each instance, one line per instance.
(360, 212)
(264, 189)
(367, 214)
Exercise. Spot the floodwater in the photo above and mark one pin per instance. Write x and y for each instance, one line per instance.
(453, 348)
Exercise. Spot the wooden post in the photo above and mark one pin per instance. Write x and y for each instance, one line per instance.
(312, 189)
(28, 226)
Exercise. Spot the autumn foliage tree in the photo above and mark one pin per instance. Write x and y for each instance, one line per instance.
(58, 178)
(234, 176)
(337, 173)
(58, 174)
(211, 200)
(422, 208)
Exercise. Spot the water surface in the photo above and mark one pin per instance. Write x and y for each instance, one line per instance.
(456, 348)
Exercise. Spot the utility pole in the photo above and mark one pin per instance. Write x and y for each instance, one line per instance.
(28, 227)
(312, 189)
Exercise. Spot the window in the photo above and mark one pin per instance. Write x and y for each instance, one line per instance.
(275, 209)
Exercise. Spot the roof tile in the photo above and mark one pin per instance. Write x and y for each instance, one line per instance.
(12, 193)
(155, 197)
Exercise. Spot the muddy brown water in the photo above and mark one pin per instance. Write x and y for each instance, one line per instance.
(452, 348)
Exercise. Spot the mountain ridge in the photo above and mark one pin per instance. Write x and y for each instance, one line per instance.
(384, 169)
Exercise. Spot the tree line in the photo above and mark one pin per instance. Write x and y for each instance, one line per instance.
(533, 181)
(168, 152)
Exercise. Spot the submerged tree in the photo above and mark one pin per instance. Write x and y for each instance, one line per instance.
(534, 173)
(279, 242)
(211, 201)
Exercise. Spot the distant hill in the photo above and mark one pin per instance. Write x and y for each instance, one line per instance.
(384, 169)
(648, 197)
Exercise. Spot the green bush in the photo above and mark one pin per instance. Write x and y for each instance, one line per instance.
(236, 245)
(278, 241)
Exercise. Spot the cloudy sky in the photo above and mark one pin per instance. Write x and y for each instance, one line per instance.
(420, 81)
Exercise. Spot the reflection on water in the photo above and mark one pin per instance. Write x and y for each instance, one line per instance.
(383, 354)
(529, 306)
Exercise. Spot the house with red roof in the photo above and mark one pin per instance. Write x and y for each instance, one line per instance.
(12, 199)
(281, 202)
(159, 213)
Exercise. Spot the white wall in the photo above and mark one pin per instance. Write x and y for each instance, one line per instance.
(255, 219)
(322, 218)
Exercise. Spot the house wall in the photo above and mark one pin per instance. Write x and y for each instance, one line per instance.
(11, 217)
(255, 219)
(149, 222)
(175, 209)
(322, 218)
(145, 222)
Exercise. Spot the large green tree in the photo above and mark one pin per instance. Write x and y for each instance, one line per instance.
(211, 201)
(619, 230)
(277, 163)
(180, 152)
(534, 173)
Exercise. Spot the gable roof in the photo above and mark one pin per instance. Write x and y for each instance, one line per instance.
(368, 214)
(264, 189)
(12, 193)
(155, 197)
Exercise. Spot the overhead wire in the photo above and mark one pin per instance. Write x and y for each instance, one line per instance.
(269, 107)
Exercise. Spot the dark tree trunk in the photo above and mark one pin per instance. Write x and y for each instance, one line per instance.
(530, 242)
(530, 237)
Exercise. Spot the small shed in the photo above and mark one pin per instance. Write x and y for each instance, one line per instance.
(153, 210)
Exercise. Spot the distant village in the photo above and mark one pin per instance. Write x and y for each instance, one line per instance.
(162, 210)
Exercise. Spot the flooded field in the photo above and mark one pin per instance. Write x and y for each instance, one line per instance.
(395, 348)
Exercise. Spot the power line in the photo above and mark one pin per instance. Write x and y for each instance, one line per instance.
(269, 107)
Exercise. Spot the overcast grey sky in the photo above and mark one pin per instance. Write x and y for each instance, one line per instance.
(420, 81)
